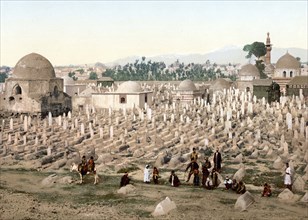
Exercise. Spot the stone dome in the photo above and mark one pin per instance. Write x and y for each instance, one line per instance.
(249, 70)
(187, 85)
(287, 61)
(34, 66)
(221, 84)
(129, 87)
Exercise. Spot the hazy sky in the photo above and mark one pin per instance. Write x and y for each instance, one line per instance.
(79, 32)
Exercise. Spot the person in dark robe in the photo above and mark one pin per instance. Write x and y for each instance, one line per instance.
(196, 177)
(192, 166)
(234, 185)
(124, 180)
(214, 176)
(267, 192)
(83, 166)
(155, 175)
(241, 188)
(205, 170)
(91, 164)
(217, 161)
(174, 180)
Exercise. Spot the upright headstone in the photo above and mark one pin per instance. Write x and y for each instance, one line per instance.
(25, 123)
(49, 150)
(49, 119)
(111, 132)
(101, 132)
(289, 121)
(11, 124)
(82, 129)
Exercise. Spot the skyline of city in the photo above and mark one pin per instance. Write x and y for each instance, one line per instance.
(86, 32)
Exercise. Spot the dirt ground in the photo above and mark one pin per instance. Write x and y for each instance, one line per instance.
(23, 196)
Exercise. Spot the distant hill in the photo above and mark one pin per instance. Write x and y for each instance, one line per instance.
(225, 55)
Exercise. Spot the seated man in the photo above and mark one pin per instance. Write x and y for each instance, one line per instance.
(209, 183)
(91, 164)
(234, 185)
(241, 188)
(267, 192)
(174, 180)
(228, 182)
(124, 180)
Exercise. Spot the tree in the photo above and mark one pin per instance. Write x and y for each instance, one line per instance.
(3, 76)
(260, 65)
(93, 76)
(257, 49)
(72, 75)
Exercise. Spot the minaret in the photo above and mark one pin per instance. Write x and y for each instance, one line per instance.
(268, 50)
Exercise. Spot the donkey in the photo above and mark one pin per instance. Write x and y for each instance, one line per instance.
(83, 172)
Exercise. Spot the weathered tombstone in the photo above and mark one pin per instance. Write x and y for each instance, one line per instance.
(239, 175)
(286, 195)
(164, 207)
(244, 201)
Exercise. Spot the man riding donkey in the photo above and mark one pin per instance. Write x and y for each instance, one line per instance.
(85, 167)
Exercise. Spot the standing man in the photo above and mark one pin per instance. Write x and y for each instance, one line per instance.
(192, 166)
(217, 161)
(205, 170)
(287, 177)
(194, 155)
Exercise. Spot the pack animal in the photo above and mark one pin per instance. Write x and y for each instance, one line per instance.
(84, 170)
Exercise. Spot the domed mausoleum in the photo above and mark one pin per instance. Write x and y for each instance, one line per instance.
(34, 89)
(186, 92)
(247, 74)
(287, 67)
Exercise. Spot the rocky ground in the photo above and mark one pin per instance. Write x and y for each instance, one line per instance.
(255, 139)
(31, 194)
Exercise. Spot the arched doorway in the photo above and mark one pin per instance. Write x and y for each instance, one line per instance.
(17, 90)
(55, 91)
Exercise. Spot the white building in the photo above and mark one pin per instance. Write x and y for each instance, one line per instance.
(186, 92)
(128, 95)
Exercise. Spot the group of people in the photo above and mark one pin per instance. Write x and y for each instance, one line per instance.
(147, 174)
(209, 176)
(238, 187)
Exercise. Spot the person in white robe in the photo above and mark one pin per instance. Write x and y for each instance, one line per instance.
(147, 174)
(287, 177)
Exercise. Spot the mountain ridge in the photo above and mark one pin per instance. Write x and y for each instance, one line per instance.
(228, 54)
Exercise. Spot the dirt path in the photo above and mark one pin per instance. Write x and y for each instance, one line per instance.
(24, 197)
